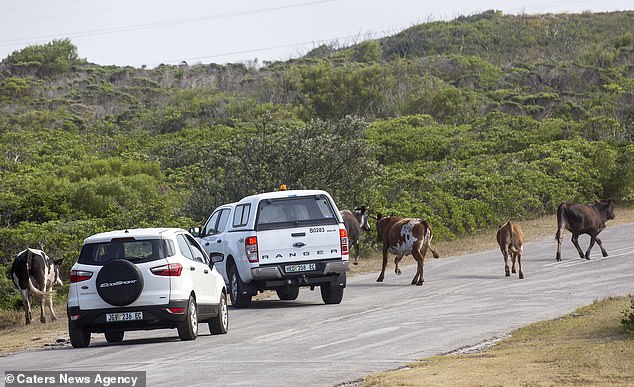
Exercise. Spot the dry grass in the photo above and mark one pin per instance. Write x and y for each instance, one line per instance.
(585, 348)
(19, 337)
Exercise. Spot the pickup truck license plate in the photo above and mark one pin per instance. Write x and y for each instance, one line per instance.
(125, 316)
(298, 268)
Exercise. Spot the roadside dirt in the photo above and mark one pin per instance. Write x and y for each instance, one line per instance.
(21, 337)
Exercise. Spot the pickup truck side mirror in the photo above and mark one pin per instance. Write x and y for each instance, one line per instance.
(195, 231)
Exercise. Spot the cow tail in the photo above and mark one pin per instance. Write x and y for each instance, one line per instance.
(37, 291)
(560, 221)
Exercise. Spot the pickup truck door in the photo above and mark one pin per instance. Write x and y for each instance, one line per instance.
(213, 236)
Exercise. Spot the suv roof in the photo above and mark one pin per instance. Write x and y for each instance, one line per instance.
(137, 233)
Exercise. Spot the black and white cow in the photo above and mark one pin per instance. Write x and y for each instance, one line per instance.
(34, 272)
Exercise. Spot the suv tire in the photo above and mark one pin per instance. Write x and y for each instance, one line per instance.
(119, 282)
(219, 325)
(287, 293)
(114, 336)
(79, 336)
(188, 329)
(238, 299)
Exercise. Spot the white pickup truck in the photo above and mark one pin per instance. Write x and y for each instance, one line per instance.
(279, 241)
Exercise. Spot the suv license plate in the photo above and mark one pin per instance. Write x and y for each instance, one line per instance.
(125, 316)
(298, 268)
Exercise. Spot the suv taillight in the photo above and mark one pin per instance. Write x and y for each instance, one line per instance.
(343, 236)
(79, 275)
(251, 248)
(169, 270)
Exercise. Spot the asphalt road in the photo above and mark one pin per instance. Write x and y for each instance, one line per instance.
(465, 300)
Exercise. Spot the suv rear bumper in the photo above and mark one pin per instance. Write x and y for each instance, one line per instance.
(154, 317)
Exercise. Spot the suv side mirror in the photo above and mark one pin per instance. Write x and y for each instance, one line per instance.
(217, 257)
(195, 231)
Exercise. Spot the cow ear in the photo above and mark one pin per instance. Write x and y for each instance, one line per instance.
(58, 262)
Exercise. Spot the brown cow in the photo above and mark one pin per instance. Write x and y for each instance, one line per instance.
(583, 219)
(355, 222)
(404, 236)
(511, 238)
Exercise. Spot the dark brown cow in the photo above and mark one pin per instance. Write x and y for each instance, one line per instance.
(355, 222)
(404, 236)
(511, 239)
(583, 219)
(34, 272)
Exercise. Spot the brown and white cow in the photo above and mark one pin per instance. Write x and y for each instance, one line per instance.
(583, 219)
(355, 222)
(511, 239)
(34, 272)
(404, 236)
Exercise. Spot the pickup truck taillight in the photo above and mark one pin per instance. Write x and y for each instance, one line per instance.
(343, 236)
(251, 248)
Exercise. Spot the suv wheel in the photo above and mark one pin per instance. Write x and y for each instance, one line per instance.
(114, 336)
(238, 299)
(219, 325)
(331, 293)
(79, 336)
(188, 329)
(288, 293)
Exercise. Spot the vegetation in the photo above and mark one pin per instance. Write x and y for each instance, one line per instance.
(444, 120)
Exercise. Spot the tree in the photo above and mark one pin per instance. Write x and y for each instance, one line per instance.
(55, 57)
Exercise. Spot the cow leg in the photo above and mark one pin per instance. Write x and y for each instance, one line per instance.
(356, 253)
(575, 241)
(505, 255)
(418, 277)
(42, 307)
(26, 301)
(397, 260)
(603, 251)
(382, 275)
(49, 303)
(559, 237)
(519, 261)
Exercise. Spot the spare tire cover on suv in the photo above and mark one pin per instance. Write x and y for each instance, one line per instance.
(119, 282)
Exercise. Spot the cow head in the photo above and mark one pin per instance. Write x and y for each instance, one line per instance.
(607, 207)
(361, 213)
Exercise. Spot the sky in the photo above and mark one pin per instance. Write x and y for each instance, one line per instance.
(150, 32)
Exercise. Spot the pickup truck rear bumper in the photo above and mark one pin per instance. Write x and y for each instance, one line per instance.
(277, 271)
(274, 276)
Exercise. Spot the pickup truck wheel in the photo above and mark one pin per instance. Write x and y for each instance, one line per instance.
(114, 336)
(219, 325)
(238, 299)
(79, 336)
(288, 293)
(331, 294)
(188, 329)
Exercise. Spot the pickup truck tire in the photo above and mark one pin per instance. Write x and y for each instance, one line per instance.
(331, 293)
(219, 325)
(287, 293)
(188, 329)
(238, 298)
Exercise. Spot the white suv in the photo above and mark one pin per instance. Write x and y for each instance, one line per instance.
(141, 279)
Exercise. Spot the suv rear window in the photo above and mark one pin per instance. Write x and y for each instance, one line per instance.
(144, 250)
(295, 211)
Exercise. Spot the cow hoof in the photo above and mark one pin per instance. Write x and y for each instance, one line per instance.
(355, 263)
(507, 274)
(43, 320)
(398, 272)
(379, 280)
(419, 284)
(513, 271)
(605, 254)
(521, 276)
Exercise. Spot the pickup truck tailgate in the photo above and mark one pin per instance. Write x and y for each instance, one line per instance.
(299, 244)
